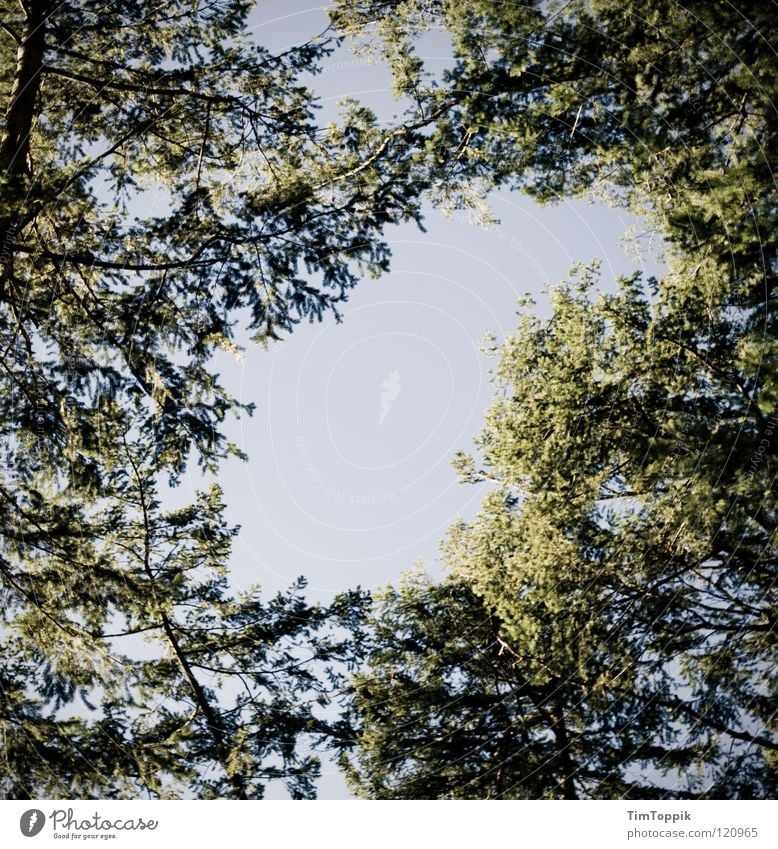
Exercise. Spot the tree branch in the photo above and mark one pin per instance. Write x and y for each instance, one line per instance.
(14, 35)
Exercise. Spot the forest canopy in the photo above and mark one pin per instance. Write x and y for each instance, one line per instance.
(607, 625)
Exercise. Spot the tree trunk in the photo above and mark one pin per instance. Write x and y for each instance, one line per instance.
(15, 141)
(19, 116)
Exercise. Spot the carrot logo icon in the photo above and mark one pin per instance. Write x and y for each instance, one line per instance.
(31, 822)
(391, 389)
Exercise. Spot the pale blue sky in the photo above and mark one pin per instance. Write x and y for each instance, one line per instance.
(344, 486)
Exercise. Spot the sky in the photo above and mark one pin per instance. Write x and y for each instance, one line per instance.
(349, 480)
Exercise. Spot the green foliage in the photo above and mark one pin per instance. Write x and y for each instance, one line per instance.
(161, 178)
(621, 575)
(607, 628)
(151, 677)
(446, 710)
(668, 108)
(625, 561)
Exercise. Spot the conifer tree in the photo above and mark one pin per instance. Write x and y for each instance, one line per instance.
(162, 176)
(149, 674)
(620, 578)
(628, 548)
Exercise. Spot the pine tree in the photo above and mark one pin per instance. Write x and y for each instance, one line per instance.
(161, 177)
(628, 549)
(446, 710)
(149, 674)
(621, 575)
(667, 108)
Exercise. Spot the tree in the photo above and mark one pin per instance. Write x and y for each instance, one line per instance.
(161, 177)
(646, 525)
(627, 555)
(444, 710)
(668, 109)
(222, 695)
(629, 546)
